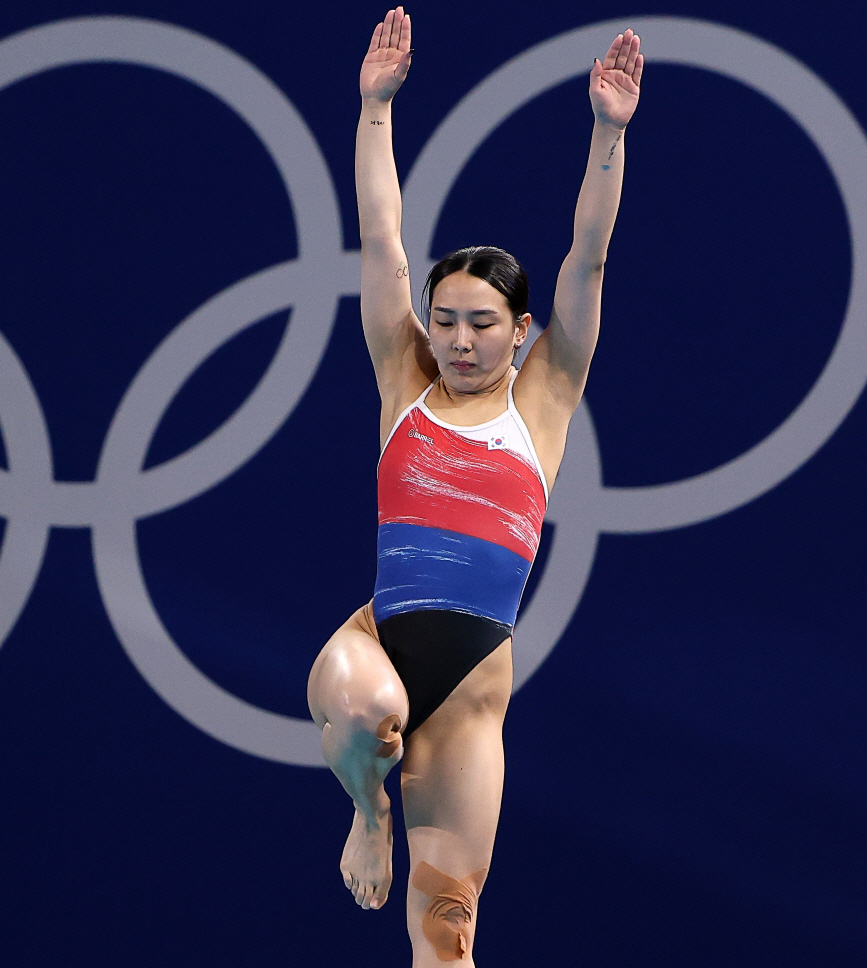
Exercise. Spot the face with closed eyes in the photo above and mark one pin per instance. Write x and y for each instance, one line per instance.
(473, 332)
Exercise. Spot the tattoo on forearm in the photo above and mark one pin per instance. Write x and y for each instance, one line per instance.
(402, 271)
(382, 122)
(611, 152)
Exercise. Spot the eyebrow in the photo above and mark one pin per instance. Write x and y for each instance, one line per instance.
(474, 312)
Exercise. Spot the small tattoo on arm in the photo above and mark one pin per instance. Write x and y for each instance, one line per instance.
(402, 271)
(383, 122)
(611, 152)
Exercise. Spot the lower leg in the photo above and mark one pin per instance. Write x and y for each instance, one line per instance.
(361, 752)
(360, 704)
(451, 804)
(361, 758)
(452, 785)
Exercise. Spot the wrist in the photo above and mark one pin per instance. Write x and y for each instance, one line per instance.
(373, 105)
(603, 125)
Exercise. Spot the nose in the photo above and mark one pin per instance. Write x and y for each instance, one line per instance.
(462, 341)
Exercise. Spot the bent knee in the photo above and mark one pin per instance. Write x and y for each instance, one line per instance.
(372, 719)
(353, 682)
(357, 697)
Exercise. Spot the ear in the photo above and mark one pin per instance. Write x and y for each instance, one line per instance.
(522, 327)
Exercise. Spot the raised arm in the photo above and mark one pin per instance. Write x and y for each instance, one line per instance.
(556, 369)
(395, 338)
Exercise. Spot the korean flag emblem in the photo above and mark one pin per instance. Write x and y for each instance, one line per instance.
(498, 442)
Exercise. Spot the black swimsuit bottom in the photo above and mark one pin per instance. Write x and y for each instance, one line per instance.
(433, 650)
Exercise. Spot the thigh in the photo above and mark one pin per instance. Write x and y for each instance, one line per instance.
(452, 771)
(452, 785)
(352, 673)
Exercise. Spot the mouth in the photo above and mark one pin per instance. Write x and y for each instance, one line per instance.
(461, 366)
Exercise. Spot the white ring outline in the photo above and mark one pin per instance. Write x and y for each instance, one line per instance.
(813, 105)
(123, 493)
(114, 541)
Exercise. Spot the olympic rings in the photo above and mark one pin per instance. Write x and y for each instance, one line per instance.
(581, 507)
(827, 121)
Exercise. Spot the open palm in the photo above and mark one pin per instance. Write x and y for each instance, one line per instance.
(615, 82)
(387, 61)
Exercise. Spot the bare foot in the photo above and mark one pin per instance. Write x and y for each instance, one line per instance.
(366, 860)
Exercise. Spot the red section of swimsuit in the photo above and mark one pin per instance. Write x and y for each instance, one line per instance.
(437, 478)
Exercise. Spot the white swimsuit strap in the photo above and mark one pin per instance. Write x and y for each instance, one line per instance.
(402, 417)
(525, 433)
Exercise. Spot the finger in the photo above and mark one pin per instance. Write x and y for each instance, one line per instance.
(595, 73)
(403, 66)
(639, 70)
(613, 51)
(405, 41)
(634, 48)
(623, 53)
(387, 25)
(395, 27)
(375, 39)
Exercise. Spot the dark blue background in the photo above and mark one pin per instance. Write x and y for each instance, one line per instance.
(685, 781)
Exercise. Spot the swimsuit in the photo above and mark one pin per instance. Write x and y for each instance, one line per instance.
(460, 516)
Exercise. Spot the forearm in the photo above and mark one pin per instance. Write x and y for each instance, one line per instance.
(567, 345)
(376, 184)
(575, 320)
(598, 199)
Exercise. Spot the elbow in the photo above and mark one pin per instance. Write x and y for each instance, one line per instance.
(590, 251)
(586, 265)
(380, 237)
(594, 259)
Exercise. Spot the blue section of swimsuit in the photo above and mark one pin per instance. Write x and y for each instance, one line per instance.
(423, 568)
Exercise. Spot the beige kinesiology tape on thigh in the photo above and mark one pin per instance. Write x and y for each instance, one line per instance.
(389, 732)
(447, 922)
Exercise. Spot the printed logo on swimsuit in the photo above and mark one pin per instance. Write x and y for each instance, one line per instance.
(415, 433)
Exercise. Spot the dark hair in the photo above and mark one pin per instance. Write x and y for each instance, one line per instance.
(496, 266)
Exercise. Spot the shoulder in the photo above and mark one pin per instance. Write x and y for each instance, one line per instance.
(403, 372)
(546, 398)
(547, 391)
(405, 385)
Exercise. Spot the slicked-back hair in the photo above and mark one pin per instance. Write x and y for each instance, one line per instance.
(496, 266)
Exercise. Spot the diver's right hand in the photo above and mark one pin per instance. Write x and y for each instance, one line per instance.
(387, 61)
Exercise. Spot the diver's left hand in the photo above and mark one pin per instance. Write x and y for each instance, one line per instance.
(615, 82)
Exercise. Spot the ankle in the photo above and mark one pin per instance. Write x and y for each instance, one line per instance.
(375, 811)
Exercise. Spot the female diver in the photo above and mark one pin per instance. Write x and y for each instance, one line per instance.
(470, 446)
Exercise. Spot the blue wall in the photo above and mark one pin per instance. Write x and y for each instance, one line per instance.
(188, 499)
